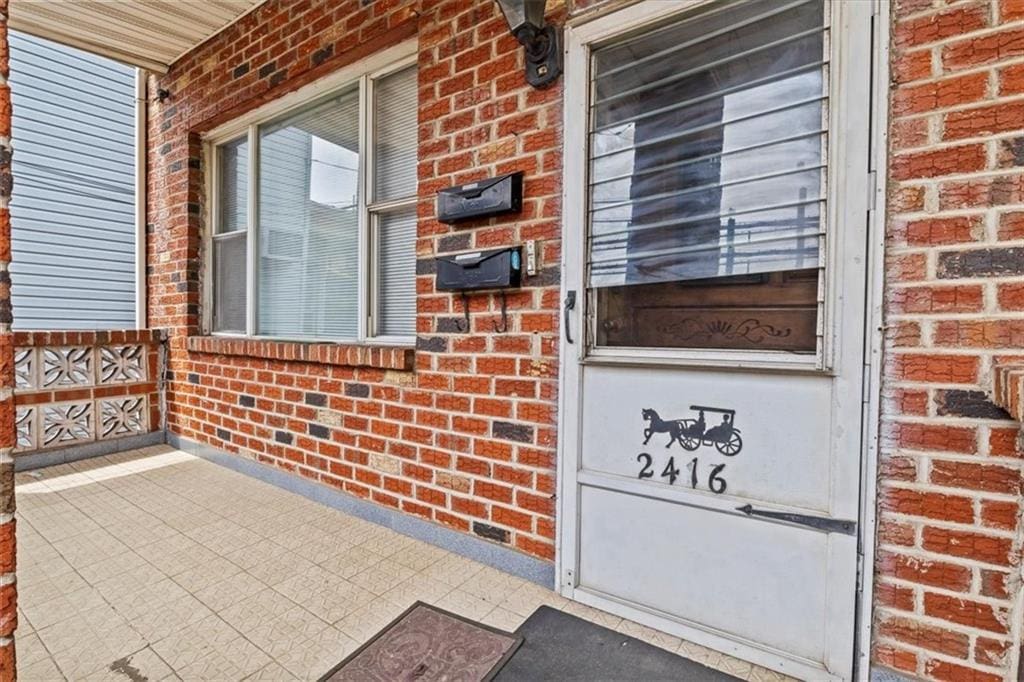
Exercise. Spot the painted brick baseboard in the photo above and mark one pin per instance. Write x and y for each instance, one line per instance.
(879, 674)
(47, 458)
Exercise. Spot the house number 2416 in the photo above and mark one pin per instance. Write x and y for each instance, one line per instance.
(716, 483)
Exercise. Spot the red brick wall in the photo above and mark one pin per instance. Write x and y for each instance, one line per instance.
(466, 436)
(948, 574)
(8, 588)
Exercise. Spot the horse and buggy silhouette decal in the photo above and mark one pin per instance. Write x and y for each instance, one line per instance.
(693, 433)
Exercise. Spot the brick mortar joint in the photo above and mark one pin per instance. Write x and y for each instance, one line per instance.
(954, 526)
(935, 557)
(472, 476)
(892, 578)
(933, 654)
(941, 624)
(248, 454)
(985, 102)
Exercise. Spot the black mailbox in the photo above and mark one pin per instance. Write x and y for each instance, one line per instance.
(503, 194)
(495, 269)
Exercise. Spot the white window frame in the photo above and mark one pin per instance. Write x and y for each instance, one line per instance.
(364, 74)
(590, 32)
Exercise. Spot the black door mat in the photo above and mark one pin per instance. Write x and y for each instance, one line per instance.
(428, 644)
(560, 646)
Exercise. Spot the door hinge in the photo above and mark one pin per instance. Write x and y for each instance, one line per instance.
(865, 384)
(822, 523)
(872, 190)
(588, 320)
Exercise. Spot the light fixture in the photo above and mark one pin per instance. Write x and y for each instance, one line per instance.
(542, 43)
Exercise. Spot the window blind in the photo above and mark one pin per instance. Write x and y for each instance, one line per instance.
(707, 146)
(308, 223)
(233, 185)
(229, 241)
(394, 151)
(229, 309)
(396, 279)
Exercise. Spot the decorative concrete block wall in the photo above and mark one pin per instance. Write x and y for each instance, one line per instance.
(73, 388)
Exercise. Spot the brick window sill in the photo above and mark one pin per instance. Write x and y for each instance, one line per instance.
(399, 358)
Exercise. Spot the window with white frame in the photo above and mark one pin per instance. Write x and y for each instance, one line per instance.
(314, 217)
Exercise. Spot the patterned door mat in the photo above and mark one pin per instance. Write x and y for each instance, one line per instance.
(425, 644)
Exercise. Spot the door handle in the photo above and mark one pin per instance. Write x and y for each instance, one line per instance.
(570, 303)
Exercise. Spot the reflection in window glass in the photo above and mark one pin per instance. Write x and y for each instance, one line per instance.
(331, 238)
(230, 237)
(396, 274)
(233, 185)
(707, 169)
(396, 108)
(308, 223)
(229, 307)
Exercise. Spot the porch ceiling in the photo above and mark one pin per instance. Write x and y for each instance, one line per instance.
(151, 34)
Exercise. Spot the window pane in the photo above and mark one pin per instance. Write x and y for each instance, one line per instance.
(232, 185)
(395, 135)
(229, 285)
(396, 279)
(308, 223)
(707, 166)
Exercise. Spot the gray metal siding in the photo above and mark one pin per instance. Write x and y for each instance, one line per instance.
(72, 212)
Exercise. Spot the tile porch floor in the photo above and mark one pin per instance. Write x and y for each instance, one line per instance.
(155, 564)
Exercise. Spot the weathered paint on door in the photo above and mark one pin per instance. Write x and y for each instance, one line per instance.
(713, 492)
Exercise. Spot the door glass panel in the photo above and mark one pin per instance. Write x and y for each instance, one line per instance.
(707, 148)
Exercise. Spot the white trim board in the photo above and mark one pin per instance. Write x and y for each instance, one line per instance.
(874, 337)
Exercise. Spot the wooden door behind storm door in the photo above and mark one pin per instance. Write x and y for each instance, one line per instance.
(716, 214)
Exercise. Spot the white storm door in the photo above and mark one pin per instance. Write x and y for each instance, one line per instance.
(715, 263)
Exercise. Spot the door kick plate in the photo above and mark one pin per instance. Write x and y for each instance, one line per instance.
(821, 523)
